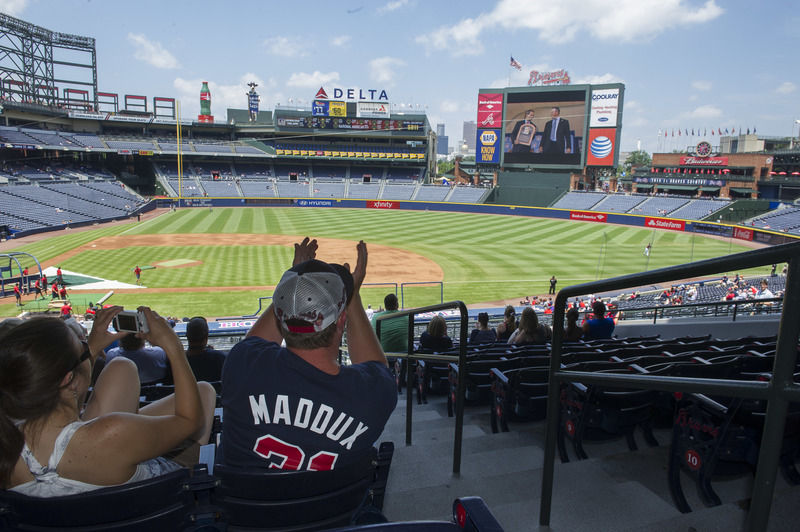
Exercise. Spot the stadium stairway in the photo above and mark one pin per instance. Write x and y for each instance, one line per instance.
(615, 489)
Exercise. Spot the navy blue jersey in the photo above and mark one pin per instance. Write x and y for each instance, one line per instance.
(279, 411)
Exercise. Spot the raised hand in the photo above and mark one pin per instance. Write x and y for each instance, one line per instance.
(305, 250)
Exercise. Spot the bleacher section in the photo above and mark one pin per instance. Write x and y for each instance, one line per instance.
(432, 193)
(466, 194)
(257, 189)
(659, 206)
(293, 189)
(784, 219)
(190, 188)
(220, 188)
(364, 190)
(618, 203)
(578, 200)
(699, 208)
(398, 192)
(328, 189)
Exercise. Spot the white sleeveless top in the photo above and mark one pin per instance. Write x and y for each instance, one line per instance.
(48, 483)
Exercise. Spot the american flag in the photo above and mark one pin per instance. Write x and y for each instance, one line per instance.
(515, 63)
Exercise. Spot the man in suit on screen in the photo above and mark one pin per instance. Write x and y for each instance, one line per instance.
(555, 137)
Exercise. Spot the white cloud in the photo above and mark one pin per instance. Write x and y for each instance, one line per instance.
(787, 87)
(450, 106)
(13, 7)
(285, 46)
(559, 22)
(224, 95)
(341, 40)
(596, 79)
(392, 6)
(312, 81)
(383, 69)
(704, 111)
(701, 85)
(152, 52)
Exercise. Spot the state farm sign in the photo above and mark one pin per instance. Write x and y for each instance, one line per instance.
(665, 223)
(742, 234)
(587, 216)
(382, 205)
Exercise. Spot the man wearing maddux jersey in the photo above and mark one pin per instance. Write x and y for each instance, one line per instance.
(296, 407)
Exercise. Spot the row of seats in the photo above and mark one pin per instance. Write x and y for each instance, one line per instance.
(673, 207)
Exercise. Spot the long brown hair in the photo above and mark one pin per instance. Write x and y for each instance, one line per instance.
(34, 358)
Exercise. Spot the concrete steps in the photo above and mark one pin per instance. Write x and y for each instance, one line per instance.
(615, 489)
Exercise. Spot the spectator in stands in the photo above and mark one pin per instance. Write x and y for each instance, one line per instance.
(573, 332)
(394, 332)
(530, 331)
(765, 292)
(151, 362)
(599, 326)
(482, 334)
(435, 338)
(509, 324)
(206, 362)
(283, 406)
(44, 376)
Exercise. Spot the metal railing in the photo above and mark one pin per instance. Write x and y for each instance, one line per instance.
(778, 392)
(711, 308)
(410, 355)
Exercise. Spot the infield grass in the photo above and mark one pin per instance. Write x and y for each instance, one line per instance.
(484, 257)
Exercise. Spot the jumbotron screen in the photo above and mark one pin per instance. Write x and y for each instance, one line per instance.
(558, 127)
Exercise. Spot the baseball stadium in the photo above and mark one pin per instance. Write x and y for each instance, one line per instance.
(114, 199)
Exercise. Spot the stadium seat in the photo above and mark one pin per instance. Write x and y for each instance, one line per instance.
(303, 500)
(163, 503)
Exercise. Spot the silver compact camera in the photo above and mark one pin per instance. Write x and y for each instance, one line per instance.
(130, 321)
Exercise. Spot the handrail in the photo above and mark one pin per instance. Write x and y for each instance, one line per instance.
(462, 359)
(661, 309)
(778, 392)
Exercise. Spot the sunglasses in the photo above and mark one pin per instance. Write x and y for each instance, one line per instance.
(86, 355)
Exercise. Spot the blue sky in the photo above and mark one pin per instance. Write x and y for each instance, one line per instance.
(686, 64)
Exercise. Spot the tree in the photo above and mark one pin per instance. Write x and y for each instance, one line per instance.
(636, 159)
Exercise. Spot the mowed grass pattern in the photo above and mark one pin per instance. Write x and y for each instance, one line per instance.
(483, 257)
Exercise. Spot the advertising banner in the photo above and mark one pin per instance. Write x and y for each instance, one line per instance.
(742, 233)
(664, 223)
(320, 108)
(372, 110)
(487, 147)
(376, 204)
(605, 103)
(679, 181)
(588, 216)
(490, 110)
(712, 229)
(704, 161)
(601, 146)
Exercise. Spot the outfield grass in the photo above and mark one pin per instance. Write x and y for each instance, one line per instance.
(483, 257)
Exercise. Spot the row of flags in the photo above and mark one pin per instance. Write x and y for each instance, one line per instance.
(704, 132)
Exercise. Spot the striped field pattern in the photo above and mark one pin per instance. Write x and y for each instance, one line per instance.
(484, 258)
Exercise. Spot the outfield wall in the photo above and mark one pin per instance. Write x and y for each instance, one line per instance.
(738, 232)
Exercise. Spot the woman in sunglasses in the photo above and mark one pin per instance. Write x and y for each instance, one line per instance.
(53, 443)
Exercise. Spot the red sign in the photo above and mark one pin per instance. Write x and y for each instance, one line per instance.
(490, 110)
(379, 204)
(602, 142)
(704, 161)
(742, 234)
(587, 216)
(693, 460)
(664, 223)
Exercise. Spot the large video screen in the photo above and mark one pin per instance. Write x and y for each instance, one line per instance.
(544, 127)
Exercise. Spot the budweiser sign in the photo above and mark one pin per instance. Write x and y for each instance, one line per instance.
(742, 234)
(665, 223)
(587, 216)
(705, 161)
(382, 205)
(557, 77)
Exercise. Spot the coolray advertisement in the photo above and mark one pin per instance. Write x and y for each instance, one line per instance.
(605, 103)
(602, 144)
(490, 110)
(487, 149)
(544, 126)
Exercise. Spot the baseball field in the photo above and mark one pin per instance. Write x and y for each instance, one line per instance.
(218, 262)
